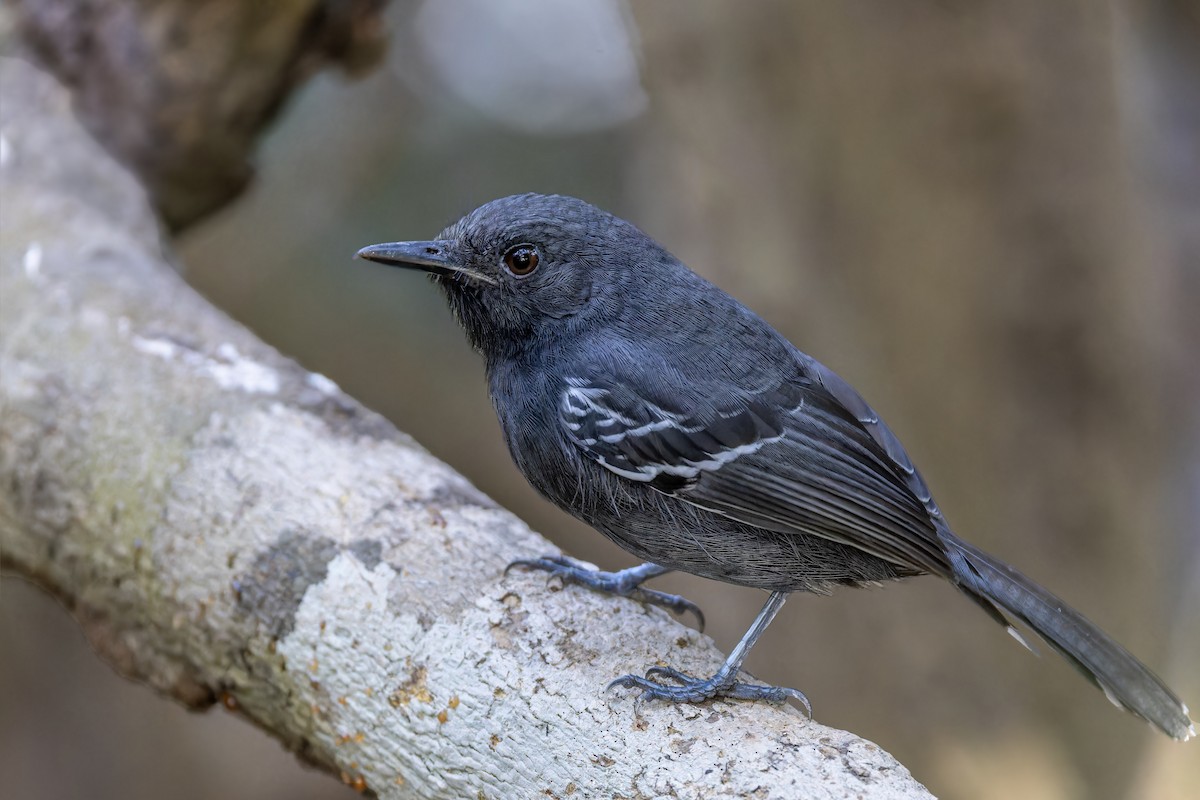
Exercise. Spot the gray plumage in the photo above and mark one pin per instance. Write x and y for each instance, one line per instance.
(647, 402)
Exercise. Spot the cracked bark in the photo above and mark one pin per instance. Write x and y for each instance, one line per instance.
(228, 527)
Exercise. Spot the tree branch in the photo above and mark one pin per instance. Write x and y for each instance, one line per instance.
(180, 90)
(228, 527)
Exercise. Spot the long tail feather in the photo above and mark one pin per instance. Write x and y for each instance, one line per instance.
(1127, 682)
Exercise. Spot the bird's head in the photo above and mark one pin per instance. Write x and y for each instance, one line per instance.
(520, 268)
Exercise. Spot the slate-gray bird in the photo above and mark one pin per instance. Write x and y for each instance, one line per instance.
(650, 404)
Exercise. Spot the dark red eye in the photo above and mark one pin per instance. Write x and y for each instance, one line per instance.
(521, 259)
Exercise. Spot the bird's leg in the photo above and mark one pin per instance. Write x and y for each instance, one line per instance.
(724, 682)
(625, 583)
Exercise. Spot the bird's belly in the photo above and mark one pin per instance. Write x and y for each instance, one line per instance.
(673, 534)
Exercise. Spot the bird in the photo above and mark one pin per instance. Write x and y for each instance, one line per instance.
(645, 401)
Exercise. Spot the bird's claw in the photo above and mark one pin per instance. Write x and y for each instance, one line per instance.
(618, 583)
(697, 690)
(672, 602)
(555, 565)
(670, 674)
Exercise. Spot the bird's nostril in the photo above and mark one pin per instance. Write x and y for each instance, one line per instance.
(433, 251)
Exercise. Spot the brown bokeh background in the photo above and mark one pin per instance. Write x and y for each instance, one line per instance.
(985, 216)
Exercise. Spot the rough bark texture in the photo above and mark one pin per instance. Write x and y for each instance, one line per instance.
(180, 90)
(229, 527)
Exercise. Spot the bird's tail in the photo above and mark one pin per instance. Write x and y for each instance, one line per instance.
(1127, 682)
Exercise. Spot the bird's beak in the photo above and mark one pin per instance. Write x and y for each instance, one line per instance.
(436, 257)
(427, 256)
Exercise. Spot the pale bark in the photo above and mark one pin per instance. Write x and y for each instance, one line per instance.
(229, 527)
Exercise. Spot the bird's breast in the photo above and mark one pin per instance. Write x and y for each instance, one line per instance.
(526, 401)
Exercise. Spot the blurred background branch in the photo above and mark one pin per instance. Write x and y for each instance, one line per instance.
(180, 91)
(987, 217)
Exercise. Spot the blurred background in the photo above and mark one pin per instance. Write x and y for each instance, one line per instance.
(985, 216)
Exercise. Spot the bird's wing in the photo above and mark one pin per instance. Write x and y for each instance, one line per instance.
(849, 399)
(806, 454)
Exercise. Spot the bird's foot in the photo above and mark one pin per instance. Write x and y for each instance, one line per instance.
(625, 583)
(695, 690)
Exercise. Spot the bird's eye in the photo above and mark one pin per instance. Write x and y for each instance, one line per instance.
(521, 259)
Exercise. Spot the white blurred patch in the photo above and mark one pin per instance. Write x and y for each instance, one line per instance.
(159, 348)
(32, 261)
(230, 369)
(238, 372)
(321, 383)
(537, 66)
